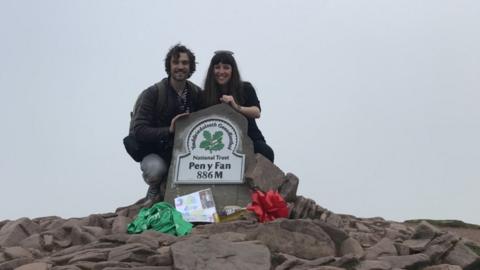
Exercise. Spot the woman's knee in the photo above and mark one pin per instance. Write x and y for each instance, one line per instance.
(264, 149)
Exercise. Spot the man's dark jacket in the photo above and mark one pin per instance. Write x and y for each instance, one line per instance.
(154, 111)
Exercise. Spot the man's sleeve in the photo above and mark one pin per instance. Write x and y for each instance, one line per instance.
(251, 98)
(143, 125)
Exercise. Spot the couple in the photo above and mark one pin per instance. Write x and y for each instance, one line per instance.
(159, 106)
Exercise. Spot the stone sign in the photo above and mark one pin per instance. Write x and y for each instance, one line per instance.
(211, 154)
(212, 150)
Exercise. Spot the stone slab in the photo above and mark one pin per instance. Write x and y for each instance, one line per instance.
(223, 194)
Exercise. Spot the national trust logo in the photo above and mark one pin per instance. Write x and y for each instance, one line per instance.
(213, 137)
(211, 154)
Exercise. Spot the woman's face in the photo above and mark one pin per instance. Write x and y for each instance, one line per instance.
(222, 73)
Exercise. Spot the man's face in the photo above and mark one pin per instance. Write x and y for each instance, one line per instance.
(180, 67)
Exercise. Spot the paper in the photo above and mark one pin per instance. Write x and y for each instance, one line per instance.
(197, 207)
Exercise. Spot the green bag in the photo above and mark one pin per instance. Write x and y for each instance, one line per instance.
(160, 217)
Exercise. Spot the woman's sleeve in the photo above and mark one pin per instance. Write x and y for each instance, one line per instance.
(251, 98)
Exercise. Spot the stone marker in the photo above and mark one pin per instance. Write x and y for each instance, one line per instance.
(211, 150)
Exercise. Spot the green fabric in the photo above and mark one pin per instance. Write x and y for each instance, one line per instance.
(160, 217)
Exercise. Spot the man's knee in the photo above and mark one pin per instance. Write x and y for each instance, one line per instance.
(153, 169)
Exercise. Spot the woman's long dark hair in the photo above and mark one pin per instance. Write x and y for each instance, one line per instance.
(213, 91)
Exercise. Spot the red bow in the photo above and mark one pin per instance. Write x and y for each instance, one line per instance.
(268, 206)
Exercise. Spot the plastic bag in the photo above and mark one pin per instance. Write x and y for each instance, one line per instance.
(160, 217)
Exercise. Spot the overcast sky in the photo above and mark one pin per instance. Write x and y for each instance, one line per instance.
(374, 105)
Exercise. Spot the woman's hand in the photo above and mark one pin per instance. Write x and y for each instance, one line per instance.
(252, 112)
(230, 101)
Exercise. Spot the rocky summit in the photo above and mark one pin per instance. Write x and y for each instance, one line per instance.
(311, 238)
(326, 242)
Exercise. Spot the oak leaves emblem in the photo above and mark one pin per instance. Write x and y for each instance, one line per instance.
(212, 143)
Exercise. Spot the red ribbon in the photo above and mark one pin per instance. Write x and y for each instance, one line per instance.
(268, 206)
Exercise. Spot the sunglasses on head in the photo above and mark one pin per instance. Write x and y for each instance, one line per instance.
(223, 51)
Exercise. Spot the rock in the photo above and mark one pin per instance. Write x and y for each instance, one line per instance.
(33, 241)
(118, 238)
(34, 266)
(48, 243)
(66, 267)
(301, 238)
(365, 239)
(239, 226)
(305, 208)
(75, 222)
(129, 211)
(120, 224)
(290, 262)
(141, 268)
(17, 252)
(51, 223)
(143, 239)
(97, 220)
(439, 246)
(15, 231)
(134, 252)
(443, 267)
(110, 264)
(402, 249)
(336, 234)
(361, 227)
(202, 253)
(265, 175)
(399, 227)
(416, 245)
(288, 189)
(348, 261)
(373, 265)
(463, 256)
(398, 232)
(334, 220)
(230, 236)
(85, 265)
(300, 208)
(80, 254)
(425, 230)
(2, 257)
(94, 230)
(384, 247)
(3, 222)
(80, 235)
(351, 246)
(162, 239)
(92, 255)
(12, 264)
(473, 246)
(408, 261)
(164, 257)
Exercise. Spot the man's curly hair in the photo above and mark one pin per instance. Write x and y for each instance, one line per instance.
(175, 53)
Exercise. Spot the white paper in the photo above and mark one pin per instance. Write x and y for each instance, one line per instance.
(197, 207)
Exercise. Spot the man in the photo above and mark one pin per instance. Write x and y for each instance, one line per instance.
(155, 113)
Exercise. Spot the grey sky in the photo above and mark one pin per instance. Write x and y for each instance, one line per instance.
(372, 104)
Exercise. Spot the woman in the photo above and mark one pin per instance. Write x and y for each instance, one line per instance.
(223, 85)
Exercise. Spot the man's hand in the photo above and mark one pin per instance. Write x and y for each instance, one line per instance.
(231, 101)
(172, 124)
